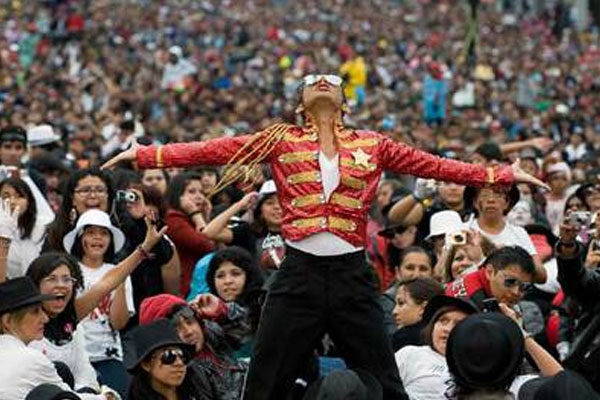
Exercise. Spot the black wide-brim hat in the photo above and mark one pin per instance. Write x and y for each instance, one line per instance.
(566, 385)
(485, 351)
(147, 338)
(440, 301)
(47, 391)
(19, 293)
(471, 192)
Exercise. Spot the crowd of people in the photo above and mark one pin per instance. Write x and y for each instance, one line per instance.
(163, 277)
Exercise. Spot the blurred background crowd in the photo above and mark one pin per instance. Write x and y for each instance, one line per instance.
(479, 81)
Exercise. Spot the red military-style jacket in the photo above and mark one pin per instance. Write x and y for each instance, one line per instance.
(294, 161)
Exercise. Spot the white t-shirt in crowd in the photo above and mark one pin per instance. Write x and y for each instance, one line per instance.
(24, 368)
(73, 355)
(101, 341)
(422, 371)
(511, 235)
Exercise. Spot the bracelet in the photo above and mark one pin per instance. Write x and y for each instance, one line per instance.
(145, 254)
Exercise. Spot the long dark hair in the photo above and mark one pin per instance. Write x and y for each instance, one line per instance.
(27, 219)
(58, 329)
(251, 295)
(177, 187)
(141, 388)
(63, 222)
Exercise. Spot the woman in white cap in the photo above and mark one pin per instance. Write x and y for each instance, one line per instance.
(94, 242)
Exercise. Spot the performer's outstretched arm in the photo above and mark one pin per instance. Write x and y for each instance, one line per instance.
(209, 152)
(403, 159)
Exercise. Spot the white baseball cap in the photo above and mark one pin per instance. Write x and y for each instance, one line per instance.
(267, 188)
(444, 222)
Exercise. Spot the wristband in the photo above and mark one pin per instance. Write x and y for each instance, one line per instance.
(193, 213)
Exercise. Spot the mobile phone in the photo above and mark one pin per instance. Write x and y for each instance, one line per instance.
(490, 305)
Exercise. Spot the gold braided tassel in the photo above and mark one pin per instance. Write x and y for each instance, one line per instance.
(260, 145)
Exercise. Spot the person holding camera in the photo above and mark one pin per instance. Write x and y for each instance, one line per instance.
(583, 285)
(159, 273)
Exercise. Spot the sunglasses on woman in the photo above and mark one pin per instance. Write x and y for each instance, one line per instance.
(333, 80)
(169, 356)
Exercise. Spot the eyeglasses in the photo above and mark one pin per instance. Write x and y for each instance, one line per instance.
(333, 80)
(64, 280)
(168, 357)
(510, 283)
(491, 195)
(88, 190)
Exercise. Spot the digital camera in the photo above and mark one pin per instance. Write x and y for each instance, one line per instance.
(127, 196)
(457, 238)
(580, 219)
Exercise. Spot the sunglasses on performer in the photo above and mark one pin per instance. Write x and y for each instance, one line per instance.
(169, 356)
(333, 80)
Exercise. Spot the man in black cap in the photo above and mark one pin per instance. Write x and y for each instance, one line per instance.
(13, 145)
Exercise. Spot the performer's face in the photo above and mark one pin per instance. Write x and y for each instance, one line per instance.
(322, 91)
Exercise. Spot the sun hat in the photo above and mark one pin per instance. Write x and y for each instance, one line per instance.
(94, 217)
(443, 222)
(19, 293)
(566, 385)
(485, 351)
(41, 135)
(158, 334)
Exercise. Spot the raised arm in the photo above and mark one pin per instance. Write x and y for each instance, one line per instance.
(217, 229)
(403, 159)
(85, 303)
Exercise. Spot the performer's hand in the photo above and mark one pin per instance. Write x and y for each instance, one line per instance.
(542, 143)
(523, 177)
(127, 155)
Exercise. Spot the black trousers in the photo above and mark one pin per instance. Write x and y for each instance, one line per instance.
(311, 296)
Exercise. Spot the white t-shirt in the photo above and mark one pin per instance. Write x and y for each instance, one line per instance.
(422, 371)
(511, 235)
(101, 341)
(74, 356)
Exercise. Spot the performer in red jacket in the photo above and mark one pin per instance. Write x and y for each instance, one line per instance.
(326, 178)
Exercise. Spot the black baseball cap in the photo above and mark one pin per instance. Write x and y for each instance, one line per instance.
(13, 133)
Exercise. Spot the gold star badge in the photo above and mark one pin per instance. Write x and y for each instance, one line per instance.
(361, 158)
